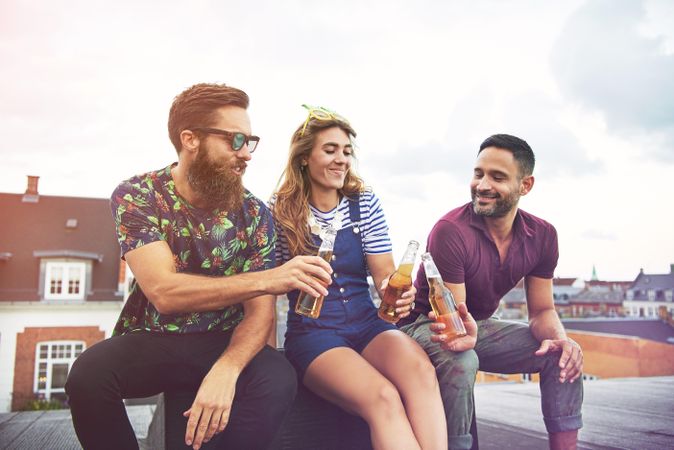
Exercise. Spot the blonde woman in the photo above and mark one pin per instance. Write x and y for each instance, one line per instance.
(348, 355)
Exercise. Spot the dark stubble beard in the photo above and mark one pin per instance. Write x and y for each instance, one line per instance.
(500, 208)
(215, 184)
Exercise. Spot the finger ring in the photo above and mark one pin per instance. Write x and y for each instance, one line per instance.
(412, 306)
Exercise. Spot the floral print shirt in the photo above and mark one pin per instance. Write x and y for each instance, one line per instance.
(215, 243)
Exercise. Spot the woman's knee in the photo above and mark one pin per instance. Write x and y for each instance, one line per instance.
(384, 400)
(423, 374)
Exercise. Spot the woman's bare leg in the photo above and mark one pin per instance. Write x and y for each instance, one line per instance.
(403, 362)
(343, 377)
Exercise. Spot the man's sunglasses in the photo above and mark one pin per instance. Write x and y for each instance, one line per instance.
(237, 139)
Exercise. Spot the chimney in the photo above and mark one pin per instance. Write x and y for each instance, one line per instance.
(31, 195)
(32, 185)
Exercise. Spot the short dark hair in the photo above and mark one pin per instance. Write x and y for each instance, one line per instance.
(521, 151)
(194, 107)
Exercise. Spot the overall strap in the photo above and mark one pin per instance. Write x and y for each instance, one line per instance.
(354, 211)
(354, 214)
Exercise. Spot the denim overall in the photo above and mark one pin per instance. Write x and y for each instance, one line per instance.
(348, 317)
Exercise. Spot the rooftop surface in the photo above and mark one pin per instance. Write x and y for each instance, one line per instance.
(626, 413)
(653, 329)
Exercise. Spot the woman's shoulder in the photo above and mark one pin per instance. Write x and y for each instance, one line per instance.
(366, 197)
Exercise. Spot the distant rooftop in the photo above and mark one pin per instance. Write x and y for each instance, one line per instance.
(647, 281)
(653, 329)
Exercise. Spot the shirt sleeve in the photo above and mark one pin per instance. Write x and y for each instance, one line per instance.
(375, 235)
(263, 240)
(549, 249)
(282, 251)
(448, 249)
(136, 220)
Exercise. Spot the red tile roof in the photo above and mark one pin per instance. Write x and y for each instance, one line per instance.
(31, 230)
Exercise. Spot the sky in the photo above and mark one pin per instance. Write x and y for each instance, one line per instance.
(85, 89)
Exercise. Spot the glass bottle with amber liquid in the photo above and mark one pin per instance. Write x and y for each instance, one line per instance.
(442, 300)
(311, 306)
(400, 281)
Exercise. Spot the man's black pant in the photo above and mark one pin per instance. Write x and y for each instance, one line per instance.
(143, 364)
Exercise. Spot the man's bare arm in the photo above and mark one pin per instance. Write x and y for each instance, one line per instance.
(172, 292)
(543, 319)
(209, 413)
(548, 329)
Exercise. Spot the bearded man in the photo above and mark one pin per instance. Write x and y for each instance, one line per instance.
(482, 250)
(201, 248)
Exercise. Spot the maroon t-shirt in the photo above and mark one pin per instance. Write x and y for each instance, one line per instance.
(464, 252)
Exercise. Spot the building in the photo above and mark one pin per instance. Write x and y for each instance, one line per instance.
(596, 299)
(650, 295)
(566, 288)
(61, 289)
(514, 303)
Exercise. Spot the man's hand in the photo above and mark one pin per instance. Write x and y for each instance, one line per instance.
(405, 304)
(571, 361)
(210, 411)
(309, 274)
(459, 344)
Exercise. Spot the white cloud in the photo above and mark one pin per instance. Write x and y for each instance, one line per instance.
(86, 86)
(603, 61)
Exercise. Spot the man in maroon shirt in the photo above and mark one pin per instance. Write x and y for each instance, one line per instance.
(482, 250)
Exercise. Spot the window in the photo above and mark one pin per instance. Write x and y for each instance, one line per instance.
(65, 281)
(53, 361)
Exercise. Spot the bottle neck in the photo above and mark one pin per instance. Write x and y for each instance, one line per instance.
(430, 269)
(410, 254)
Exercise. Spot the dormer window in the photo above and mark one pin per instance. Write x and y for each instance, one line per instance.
(66, 275)
(65, 280)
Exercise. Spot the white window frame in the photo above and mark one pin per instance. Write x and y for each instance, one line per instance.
(49, 362)
(65, 267)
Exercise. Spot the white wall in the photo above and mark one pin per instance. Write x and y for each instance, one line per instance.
(650, 308)
(15, 317)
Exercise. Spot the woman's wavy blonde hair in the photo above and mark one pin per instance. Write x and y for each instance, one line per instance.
(291, 208)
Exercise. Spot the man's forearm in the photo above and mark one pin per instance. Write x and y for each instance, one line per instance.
(546, 325)
(184, 292)
(247, 340)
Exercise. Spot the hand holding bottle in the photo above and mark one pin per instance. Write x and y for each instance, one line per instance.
(459, 344)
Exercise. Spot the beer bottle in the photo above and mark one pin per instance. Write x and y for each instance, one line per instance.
(399, 282)
(442, 301)
(311, 306)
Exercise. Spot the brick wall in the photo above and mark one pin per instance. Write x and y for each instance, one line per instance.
(26, 343)
(623, 356)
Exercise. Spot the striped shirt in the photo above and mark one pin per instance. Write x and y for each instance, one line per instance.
(373, 226)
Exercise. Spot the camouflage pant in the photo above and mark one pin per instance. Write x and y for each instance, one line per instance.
(502, 347)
